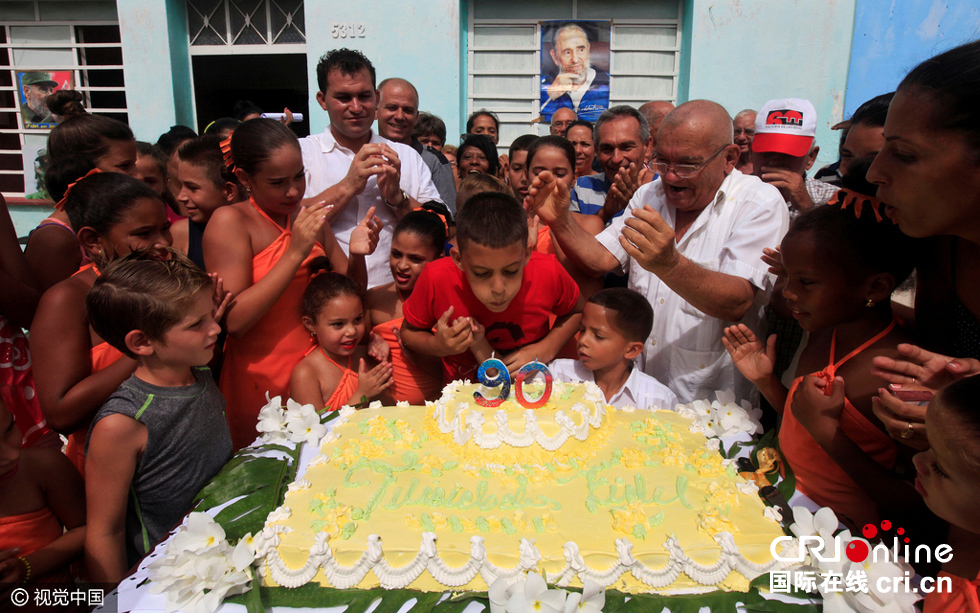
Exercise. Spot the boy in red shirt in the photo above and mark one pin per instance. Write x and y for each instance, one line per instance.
(481, 300)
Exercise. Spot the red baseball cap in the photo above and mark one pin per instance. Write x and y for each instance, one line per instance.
(788, 125)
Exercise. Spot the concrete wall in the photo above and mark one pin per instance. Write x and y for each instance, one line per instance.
(418, 41)
(891, 37)
(156, 65)
(743, 54)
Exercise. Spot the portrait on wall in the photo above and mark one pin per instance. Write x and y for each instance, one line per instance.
(575, 68)
(34, 87)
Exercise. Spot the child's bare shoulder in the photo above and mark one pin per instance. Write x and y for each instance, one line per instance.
(62, 300)
(47, 465)
(381, 301)
(232, 214)
(314, 367)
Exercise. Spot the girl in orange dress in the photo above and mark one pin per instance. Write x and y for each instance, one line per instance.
(262, 249)
(841, 265)
(41, 496)
(81, 141)
(75, 370)
(948, 478)
(417, 240)
(336, 370)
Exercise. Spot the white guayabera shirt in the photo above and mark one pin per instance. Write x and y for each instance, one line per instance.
(684, 350)
(327, 162)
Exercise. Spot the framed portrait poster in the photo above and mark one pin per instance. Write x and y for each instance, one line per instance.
(575, 68)
(33, 87)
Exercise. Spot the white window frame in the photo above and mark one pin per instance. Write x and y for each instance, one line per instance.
(531, 118)
(76, 68)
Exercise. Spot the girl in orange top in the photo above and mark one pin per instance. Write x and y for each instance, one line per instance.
(948, 478)
(41, 496)
(262, 249)
(556, 155)
(75, 371)
(841, 266)
(333, 314)
(417, 240)
(80, 142)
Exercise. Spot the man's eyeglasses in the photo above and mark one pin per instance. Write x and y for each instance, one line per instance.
(745, 131)
(684, 171)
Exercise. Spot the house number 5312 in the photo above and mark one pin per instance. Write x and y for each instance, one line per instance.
(348, 30)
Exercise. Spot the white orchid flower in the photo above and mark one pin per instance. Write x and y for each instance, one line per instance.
(889, 599)
(725, 397)
(200, 568)
(272, 422)
(500, 592)
(591, 600)
(303, 424)
(822, 523)
(200, 535)
(536, 597)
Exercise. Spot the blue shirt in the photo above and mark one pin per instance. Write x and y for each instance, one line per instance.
(593, 103)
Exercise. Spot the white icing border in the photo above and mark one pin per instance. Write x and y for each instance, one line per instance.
(449, 421)
(428, 560)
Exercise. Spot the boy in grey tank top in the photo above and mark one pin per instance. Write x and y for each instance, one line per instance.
(163, 434)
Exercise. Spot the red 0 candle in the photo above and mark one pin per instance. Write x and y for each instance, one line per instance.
(528, 371)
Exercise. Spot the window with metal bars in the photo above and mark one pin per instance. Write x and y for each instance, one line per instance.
(54, 36)
(214, 25)
(504, 55)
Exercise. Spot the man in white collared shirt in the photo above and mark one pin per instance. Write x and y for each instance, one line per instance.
(352, 168)
(692, 244)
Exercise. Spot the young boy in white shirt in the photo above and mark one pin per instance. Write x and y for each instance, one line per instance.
(615, 324)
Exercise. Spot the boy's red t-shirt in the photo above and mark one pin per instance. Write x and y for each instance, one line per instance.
(545, 289)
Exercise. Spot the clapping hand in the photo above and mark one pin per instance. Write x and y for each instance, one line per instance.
(755, 361)
(548, 198)
(364, 238)
(649, 240)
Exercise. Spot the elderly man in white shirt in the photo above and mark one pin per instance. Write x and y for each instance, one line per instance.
(691, 242)
(352, 168)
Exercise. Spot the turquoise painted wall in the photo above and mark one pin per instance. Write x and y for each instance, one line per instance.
(743, 54)
(892, 37)
(27, 217)
(155, 65)
(418, 41)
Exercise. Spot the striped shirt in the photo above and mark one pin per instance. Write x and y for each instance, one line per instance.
(590, 194)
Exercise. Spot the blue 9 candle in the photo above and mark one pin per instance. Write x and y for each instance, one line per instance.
(501, 380)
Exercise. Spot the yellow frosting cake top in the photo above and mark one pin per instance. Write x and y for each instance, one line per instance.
(642, 504)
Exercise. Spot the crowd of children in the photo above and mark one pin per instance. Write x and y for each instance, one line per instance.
(153, 268)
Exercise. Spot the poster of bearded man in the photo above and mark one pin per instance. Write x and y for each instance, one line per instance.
(575, 68)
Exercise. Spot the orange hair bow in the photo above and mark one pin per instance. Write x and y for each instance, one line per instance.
(849, 198)
(439, 215)
(60, 205)
(226, 151)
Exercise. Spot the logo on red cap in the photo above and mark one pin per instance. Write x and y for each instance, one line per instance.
(784, 117)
